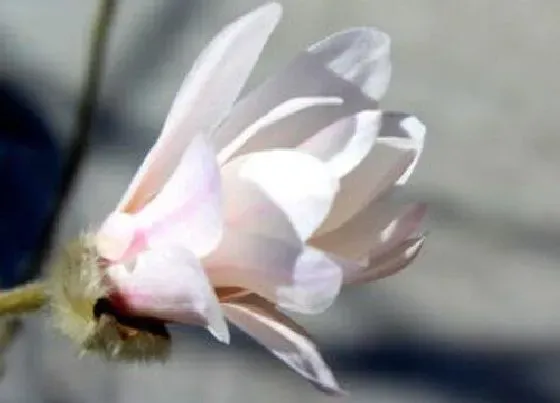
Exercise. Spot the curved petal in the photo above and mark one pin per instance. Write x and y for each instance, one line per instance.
(352, 65)
(170, 284)
(294, 276)
(406, 132)
(204, 99)
(385, 265)
(390, 162)
(284, 338)
(187, 211)
(373, 230)
(360, 56)
(345, 143)
(281, 193)
(282, 111)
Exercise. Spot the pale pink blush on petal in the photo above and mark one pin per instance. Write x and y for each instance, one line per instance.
(170, 284)
(188, 210)
(116, 236)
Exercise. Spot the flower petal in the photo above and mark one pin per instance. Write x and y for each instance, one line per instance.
(284, 338)
(170, 284)
(204, 99)
(279, 192)
(389, 163)
(360, 56)
(345, 143)
(386, 264)
(406, 132)
(373, 231)
(294, 276)
(352, 65)
(186, 212)
(280, 112)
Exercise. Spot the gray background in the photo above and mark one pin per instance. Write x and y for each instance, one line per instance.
(482, 75)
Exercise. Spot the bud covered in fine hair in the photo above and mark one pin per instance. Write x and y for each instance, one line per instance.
(82, 311)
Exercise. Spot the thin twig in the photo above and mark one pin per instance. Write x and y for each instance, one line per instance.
(82, 130)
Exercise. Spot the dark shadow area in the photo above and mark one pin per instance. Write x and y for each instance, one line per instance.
(30, 168)
(482, 374)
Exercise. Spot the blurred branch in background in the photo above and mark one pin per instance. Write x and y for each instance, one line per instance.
(83, 125)
(31, 297)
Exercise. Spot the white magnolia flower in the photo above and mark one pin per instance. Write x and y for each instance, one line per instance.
(245, 209)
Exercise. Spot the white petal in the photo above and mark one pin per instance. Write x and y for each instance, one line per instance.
(406, 132)
(188, 210)
(360, 56)
(204, 99)
(373, 231)
(284, 338)
(280, 192)
(170, 284)
(296, 277)
(345, 143)
(386, 264)
(352, 65)
(280, 112)
(390, 162)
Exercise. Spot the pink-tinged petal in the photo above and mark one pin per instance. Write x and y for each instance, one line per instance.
(282, 111)
(345, 143)
(204, 99)
(281, 193)
(170, 284)
(352, 65)
(116, 235)
(374, 230)
(187, 211)
(385, 265)
(294, 276)
(284, 338)
(388, 163)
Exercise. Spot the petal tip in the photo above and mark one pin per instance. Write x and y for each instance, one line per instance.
(414, 127)
(218, 327)
(272, 11)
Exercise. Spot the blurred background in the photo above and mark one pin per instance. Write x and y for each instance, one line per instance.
(475, 319)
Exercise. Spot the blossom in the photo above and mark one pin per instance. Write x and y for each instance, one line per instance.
(245, 210)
